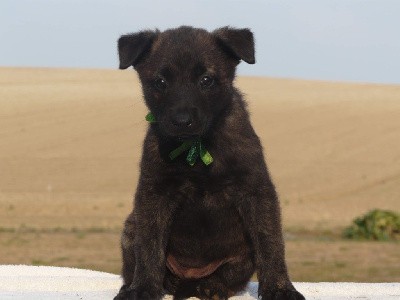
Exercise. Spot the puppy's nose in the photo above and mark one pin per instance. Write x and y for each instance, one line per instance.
(181, 119)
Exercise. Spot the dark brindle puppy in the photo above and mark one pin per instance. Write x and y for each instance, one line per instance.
(199, 228)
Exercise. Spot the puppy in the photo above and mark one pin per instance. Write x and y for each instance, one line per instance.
(206, 215)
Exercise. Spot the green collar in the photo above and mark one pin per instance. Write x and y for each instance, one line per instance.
(195, 147)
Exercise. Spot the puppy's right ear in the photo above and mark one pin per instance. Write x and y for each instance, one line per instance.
(132, 47)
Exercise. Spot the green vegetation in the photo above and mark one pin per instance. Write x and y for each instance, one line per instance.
(379, 225)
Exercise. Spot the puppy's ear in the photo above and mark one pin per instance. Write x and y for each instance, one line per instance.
(132, 47)
(237, 42)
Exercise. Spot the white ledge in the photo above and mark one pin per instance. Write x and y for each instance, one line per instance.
(45, 283)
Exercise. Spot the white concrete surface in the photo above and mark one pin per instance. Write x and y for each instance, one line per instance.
(53, 283)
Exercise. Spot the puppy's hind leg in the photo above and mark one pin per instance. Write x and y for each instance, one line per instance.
(236, 275)
(128, 258)
(228, 280)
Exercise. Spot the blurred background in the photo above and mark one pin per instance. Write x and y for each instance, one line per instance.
(324, 97)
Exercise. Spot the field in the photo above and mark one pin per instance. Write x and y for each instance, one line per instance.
(71, 144)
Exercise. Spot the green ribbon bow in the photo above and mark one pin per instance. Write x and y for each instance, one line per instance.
(195, 147)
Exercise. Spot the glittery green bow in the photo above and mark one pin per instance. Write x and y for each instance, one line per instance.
(195, 147)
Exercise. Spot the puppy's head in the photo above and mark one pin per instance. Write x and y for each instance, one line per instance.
(186, 74)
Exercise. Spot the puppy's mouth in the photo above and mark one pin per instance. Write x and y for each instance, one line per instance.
(184, 137)
(187, 137)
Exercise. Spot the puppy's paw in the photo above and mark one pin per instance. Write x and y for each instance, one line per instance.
(123, 293)
(127, 293)
(281, 294)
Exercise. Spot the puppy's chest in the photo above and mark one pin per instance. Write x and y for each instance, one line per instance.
(206, 215)
(206, 197)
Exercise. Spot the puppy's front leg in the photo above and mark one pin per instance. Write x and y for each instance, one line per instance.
(150, 221)
(261, 215)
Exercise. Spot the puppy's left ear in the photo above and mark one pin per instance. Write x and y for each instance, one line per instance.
(133, 47)
(237, 42)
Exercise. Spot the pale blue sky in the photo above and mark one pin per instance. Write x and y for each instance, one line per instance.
(345, 40)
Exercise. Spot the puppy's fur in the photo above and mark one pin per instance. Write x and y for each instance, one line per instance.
(199, 230)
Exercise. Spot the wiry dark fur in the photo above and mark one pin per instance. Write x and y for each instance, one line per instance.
(225, 212)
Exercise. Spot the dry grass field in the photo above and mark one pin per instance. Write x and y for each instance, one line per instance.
(70, 144)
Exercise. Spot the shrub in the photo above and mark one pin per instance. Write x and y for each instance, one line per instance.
(379, 225)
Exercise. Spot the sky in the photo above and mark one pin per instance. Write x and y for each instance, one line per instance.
(340, 40)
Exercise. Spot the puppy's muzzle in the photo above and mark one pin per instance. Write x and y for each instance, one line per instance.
(183, 123)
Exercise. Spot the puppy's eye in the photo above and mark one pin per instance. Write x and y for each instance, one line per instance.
(206, 81)
(160, 84)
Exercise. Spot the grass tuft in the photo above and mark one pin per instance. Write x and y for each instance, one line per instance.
(377, 225)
